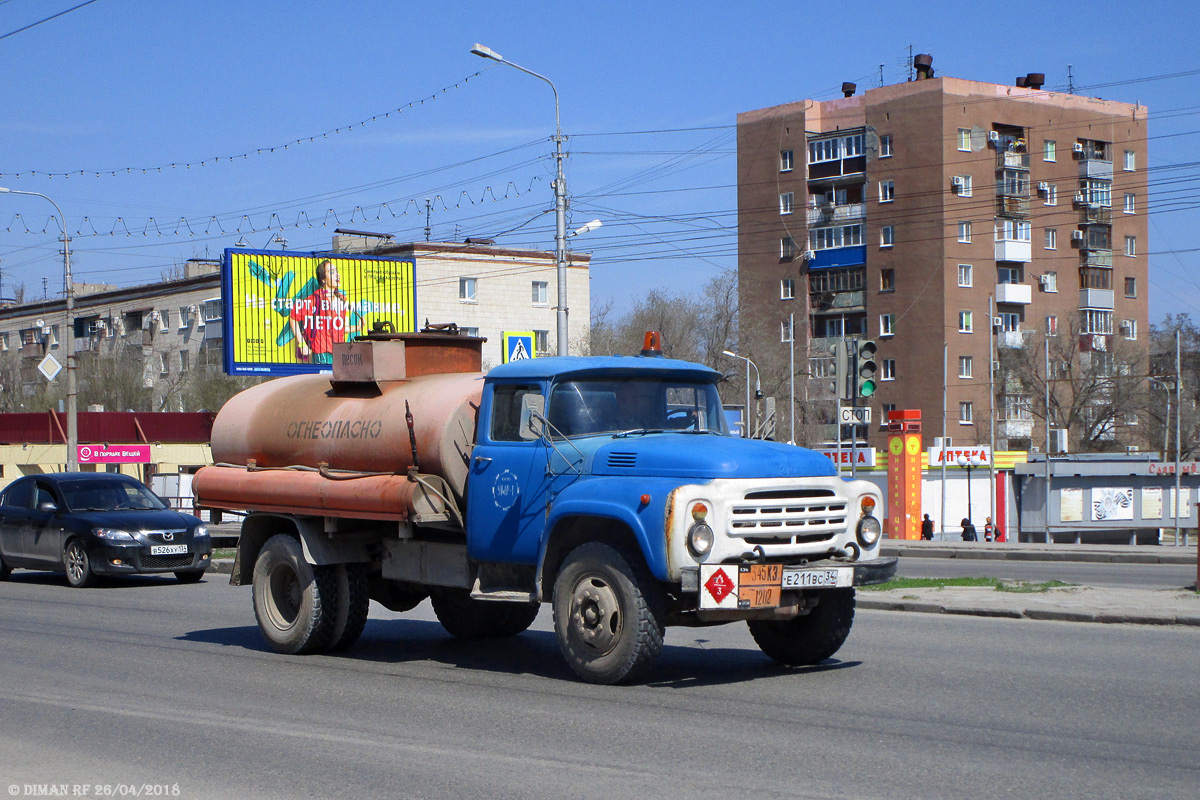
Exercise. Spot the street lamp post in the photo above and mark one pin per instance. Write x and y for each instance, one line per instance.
(69, 332)
(560, 197)
(964, 461)
(757, 389)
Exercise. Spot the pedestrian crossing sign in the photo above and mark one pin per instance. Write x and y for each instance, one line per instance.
(517, 345)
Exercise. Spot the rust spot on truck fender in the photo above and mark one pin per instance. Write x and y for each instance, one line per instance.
(668, 527)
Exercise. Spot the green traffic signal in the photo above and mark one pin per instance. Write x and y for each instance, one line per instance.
(865, 380)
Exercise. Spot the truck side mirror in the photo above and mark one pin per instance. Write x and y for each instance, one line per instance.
(533, 406)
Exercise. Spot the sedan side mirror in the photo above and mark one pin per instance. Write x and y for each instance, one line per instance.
(48, 507)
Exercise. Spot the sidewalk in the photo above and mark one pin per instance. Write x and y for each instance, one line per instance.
(1069, 604)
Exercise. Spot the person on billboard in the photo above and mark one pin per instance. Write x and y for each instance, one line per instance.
(322, 318)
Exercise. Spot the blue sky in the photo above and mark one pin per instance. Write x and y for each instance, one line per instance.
(649, 97)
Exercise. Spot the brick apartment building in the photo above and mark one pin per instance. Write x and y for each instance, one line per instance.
(945, 213)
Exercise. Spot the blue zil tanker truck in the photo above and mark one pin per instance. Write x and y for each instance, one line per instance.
(608, 487)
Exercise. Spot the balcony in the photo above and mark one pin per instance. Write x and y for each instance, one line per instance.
(1014, 428)
(1096, 298)
(1097, 258)
(1008, 159)
(828, 213)
(1095, 169)
(831, 301)
(838, 257)
(1021, 293)
(1096, 215)
(1012, 205)
(1009, 250)
(1016, 340)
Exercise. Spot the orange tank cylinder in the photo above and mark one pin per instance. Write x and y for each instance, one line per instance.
(308, 421)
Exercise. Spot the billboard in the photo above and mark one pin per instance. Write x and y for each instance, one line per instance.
(284, 311)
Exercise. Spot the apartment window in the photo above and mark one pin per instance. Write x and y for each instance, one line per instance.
(541, 341)
(887, 191)
(466, 290)
(1130, 161)
(1131, 287)
(1129, 328)
(1051, 195)
(966, 413)
(183, 316)
(1049, 281)
(210, 311)
(889, 369)
(887, 324)
(1131, 246)
(885, 146)
(964, 322)
(1052, 325)
(1051, 238)
(540, 292)
(887, 236)
(1049, 147)
(842, 236)
(887, 280)
(884, 410)
(785, 202)
(964, 232)
(964, 140)
(787, 289)
(185, 360)
(164, 318)
(961, 185)
(1010, 322)
(162, 363)
(469, 332)
(965, 366)
(823, 150)
(1097, 322)
(785, 330)
(1097, 193)
(966, 275)
(1014, 230)
(1008, 275)
(1130, 204)
(787, 248)
(785, 160)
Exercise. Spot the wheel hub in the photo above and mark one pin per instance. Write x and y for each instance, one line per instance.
(595, 614)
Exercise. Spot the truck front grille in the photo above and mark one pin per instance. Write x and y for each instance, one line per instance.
(797, 516)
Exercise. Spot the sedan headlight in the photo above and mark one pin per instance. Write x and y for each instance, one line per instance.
(201, 532)
(114, 535)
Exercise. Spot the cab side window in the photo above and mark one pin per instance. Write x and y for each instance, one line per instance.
(506, 411)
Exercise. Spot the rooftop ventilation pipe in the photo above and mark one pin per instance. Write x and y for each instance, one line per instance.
(849, 88)
(1021, 81)
(1034, 80)
(924, 66)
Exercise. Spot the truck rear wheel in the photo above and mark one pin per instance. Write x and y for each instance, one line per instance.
(465, 618)
(608, 614)
(811, 638)
(294, 601)
(353, 605)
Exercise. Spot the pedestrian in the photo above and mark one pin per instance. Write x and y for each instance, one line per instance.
(968, 531)
(1000, 534)
(927, 528)
(989, 530)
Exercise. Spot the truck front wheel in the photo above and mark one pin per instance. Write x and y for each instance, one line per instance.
(811, 638)
(465, 618)
(608, 614)
(294, 601)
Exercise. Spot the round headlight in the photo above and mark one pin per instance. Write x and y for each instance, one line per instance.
(700, 539)
(869, 531)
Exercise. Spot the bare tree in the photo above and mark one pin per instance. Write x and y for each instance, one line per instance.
(1161, 428)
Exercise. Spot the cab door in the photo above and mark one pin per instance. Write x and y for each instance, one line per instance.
(507, 485)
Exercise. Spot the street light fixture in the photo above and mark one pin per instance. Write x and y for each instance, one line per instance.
(757, 389)
(964, 461)
(560, 196)
(72, 413)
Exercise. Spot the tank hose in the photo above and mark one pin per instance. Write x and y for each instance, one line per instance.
(412, 439)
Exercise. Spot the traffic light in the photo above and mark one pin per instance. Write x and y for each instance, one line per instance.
(841, 368)
(865, 379)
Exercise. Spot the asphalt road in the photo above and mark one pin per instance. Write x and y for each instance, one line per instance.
(1119, 576)
(149, 682)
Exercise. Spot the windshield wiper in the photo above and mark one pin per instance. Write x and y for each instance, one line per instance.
(638, 432)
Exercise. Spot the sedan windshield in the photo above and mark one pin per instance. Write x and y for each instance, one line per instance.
(634, 405)
(109, 496)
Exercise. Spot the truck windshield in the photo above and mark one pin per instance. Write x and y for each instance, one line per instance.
(634, 405)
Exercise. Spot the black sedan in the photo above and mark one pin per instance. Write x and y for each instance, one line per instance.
(95, 523)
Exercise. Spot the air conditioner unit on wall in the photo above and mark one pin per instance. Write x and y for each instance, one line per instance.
(993, 136)
(1076, 236)
(1058, 440)
(1043, 187)
(1077, 147)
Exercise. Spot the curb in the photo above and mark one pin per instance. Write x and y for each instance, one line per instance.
(1057, 615)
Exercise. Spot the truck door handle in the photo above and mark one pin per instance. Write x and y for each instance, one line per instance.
(481, 460)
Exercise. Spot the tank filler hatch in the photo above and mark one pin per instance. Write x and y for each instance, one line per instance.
(380, 357)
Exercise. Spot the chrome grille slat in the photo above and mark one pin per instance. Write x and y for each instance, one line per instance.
(783, 517)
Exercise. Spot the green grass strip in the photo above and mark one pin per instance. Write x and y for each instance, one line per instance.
(942, 583)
